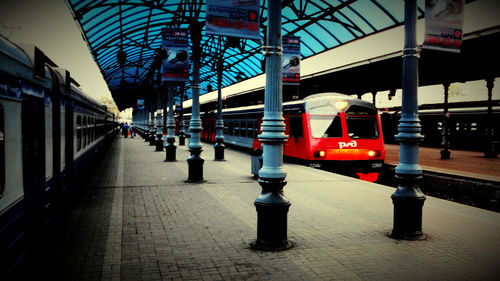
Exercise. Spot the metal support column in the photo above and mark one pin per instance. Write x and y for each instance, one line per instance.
(145, 116)
(147, 121)
(170, 148)
(408, 200)
(182, 135)
(491, 147)
(164, 107)
(272, 205)
(445, 144)
(160, 119)
(152, 130)
(159, 133)
(219, 124)
(195, 162)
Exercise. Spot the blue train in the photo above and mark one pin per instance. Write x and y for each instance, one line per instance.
(50, 133)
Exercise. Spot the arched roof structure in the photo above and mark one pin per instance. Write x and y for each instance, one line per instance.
(134, 27)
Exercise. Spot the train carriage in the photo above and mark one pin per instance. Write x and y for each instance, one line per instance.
(50, 133)
(329, 130)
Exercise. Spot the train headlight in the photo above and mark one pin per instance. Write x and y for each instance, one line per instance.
(341, 105)
(319, 153)
(374, 153)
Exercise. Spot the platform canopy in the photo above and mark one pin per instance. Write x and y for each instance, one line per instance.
(133, 28)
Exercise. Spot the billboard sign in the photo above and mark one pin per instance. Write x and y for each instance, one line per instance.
(140, 104)
(291, 60)
(175, 65)
(443, 25)
(234, 18)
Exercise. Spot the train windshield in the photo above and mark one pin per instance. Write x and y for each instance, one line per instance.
(361, 123)
(326, 126)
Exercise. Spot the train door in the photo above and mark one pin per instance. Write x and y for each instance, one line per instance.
(295, 145)
(68, 145)
(33, 148)
(56, 145)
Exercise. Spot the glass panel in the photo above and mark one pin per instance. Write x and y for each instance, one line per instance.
(296, 126)
(372, 13)
(326, 126)
(362, 127)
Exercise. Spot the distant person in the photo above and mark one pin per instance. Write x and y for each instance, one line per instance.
(131, 129)
(125, 129)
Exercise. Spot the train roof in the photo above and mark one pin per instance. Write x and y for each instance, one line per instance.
(28, 70)
(305, 105)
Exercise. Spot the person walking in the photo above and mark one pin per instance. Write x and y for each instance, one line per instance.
(125, 129)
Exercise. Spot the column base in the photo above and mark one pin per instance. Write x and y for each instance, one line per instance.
(407, 218)
(272, 214)
(272, 226)
(271, 246)
(182, 140)
(219, 151)
(159, 144)
(445, 154)
(171, 152)
(195, 169)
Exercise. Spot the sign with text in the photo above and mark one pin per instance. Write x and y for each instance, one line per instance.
(443, 25)
(175, 64)
(291, 60)
(235, 18)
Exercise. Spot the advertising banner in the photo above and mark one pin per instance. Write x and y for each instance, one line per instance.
(175, 65)
(291, 60)
(443, 25)
(235, 18)
(140, 104)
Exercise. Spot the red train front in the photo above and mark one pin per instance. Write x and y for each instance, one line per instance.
(329, 130)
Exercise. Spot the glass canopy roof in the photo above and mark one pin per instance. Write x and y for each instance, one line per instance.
(134, 26)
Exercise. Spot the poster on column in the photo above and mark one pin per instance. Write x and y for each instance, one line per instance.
(443, 25)
(140, 104)
(175, 65)
(234, 18)
(291, 60)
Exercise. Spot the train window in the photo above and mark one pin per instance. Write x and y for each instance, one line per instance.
(2, 151)
(357, 110)
(251, 129)
(243, 131)
(84, 131)
(296, 126)
(361, 123)
(362, 127)
(78, 132)
(92, 129)
(230, 126)
(326, 126)
(255, 128)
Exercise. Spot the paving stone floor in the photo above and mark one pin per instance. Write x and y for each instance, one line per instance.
(140, 220)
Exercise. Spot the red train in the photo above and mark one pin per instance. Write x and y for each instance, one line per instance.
(329, 130)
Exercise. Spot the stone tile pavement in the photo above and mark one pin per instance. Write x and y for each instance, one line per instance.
(140, 220)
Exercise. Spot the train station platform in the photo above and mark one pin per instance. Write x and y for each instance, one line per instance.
(140, 220)
(470, 164)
